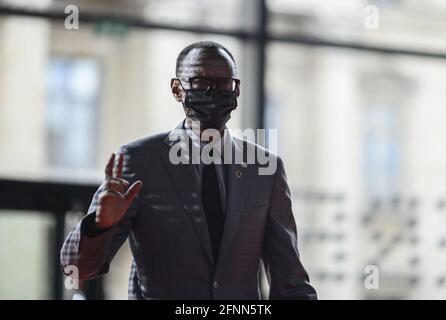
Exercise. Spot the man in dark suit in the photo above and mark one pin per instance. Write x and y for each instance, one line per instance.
(197, 230)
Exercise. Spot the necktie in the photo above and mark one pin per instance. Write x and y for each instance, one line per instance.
(210, 196)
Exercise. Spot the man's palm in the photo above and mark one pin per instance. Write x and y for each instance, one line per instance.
(117, 196)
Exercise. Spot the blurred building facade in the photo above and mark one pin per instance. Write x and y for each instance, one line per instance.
(359, 130)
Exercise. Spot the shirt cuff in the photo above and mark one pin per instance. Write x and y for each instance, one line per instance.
(89, 227)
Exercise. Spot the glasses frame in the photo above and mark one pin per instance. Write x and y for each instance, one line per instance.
(212, 84)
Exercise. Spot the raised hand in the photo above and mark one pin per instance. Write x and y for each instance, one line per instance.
(117, 196)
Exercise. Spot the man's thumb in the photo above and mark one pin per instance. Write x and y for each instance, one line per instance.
(133, 191)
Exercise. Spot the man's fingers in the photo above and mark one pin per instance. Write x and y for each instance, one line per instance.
(133, 191)
(117, 180)
(116, 184)
(109, 166)
(118, 168)
(110, 192)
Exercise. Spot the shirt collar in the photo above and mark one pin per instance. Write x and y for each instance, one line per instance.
(196, 138)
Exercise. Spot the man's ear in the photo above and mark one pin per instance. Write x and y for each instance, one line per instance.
(176, 89)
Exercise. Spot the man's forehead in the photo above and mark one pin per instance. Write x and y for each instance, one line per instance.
(211, 63)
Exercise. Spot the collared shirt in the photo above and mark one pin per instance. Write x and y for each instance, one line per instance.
(220, 168)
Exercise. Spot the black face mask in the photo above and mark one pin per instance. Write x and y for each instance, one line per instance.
(212, 108)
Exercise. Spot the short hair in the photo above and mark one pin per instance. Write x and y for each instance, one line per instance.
(206, 45)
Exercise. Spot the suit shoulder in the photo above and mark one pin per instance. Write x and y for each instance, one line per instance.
(267, 162)
(151, 141)
(243, 143)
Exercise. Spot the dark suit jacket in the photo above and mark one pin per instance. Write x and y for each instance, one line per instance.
(169, 239)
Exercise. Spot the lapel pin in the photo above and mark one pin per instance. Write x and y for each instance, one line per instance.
(238, 173)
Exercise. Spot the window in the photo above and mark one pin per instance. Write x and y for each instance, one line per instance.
(73, 100)
(359, 115)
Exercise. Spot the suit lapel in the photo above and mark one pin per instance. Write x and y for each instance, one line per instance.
(236, 180)
(186, 182)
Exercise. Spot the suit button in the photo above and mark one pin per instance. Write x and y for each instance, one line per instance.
(216, 284)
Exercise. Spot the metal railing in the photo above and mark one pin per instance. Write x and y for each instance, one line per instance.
(56, 199)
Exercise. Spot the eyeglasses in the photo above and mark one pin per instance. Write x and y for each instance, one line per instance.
(203, 85)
